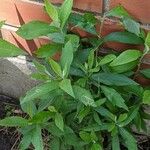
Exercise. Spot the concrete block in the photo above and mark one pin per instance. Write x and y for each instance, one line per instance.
(15, 76)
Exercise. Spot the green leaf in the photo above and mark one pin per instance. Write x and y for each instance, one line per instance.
(118, 11)
(91, 59)
(41, 68)
(2, 23)
(147, 40)
(65, 11)
(85, 136)
(25, 142)
(125, 67)
(113, 79)
(59, 121)
(74, 39)
(123, 37)
(29, 108)
(129, 140)
(146, 97)
(14, 121)
(66, 86)
(8, 50)
(132, 26)
(40, 76)
(41, 117)
(126, 61)
(37, 138)
(66, 58)
(84, 96)
(48, 50)
(131, 115)
(96, 127)
(56, 67)
(97, 118)
(146, 73)
(52, 11)
(122, 117)
(35, 29)
(115, 143)
(57, 37)
(107, 59)
(55, 144)
(38, 91)
(114, 97)
(126, 57)
(96, 146)
(106, 113)
(83, 113)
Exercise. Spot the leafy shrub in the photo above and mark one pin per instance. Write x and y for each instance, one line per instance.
(86, 101)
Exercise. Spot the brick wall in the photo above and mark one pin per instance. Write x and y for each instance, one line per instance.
(18, 12)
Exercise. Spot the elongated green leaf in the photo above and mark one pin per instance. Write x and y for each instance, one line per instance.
(147, 40)
(113, 79)
(41, 68)
(41, 117)
(131, 115)
(65, 11)
(129, 140)
(14, 122)
(96, 146)
(83, 113)
(122, 117)
(84, 96)
(124, 68)
(38, 91)
(91, 59)
(48, 50)
(2, 23)
(123, 37)
(34, 29)
(52, 11)
(40, 76)
(146, 73)
(56, 67)
(107, 59)
(118, 11)
(55, 144)
(66, 58)
(57, 37)
(8, 50)
(146, 97)
(29, 108)
(126, 57)
(74, 39)
(25, 142)
(106, 113)
(59, 121)
(115, 143)
(37, 138)
(131, 26)
(96, 127)
(66, 86)
(85, 136)
(114, 97)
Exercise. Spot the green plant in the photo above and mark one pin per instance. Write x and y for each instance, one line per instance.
(86, 101)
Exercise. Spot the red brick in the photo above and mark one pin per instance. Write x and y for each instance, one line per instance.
(28, 46)
(89, 5)
(18, 12)
(140, 9)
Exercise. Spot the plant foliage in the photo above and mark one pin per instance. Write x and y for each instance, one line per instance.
(85, 101)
